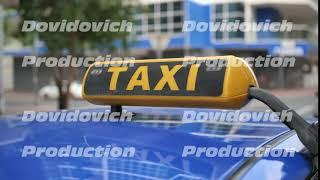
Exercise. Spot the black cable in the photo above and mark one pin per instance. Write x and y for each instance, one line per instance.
(307, 133)
(116, 108)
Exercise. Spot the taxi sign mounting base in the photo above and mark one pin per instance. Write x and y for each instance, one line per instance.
(116, 108)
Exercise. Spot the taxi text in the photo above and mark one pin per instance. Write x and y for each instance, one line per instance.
(140, 78)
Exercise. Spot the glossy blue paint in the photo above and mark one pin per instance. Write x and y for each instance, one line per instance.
(282, 167)
(159, 146)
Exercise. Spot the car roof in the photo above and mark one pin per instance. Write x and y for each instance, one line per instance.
(156, 132)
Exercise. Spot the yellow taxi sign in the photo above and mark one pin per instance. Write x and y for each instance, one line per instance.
(213, 82)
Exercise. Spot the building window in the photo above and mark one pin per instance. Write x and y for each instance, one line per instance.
(177, 19)
(164, 7)
(235, 7)
(151, 8)
(219, 8)
(150, 21)
(228, 12)
(160, 18)
(164, 21)
(177, 6)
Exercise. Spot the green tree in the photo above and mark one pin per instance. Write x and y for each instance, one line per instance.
(75, 42)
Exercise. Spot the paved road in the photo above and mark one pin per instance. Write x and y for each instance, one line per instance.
(302, 100)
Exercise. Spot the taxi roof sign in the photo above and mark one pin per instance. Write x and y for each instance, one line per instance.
(178, 82)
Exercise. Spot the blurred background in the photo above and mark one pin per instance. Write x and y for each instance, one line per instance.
(157, 33)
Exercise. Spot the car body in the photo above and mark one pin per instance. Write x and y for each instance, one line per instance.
(51, 91)
(158, 134)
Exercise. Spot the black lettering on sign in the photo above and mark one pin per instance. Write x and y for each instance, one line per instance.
(157, 79)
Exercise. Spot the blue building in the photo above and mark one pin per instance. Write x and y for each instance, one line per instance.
(161, 31)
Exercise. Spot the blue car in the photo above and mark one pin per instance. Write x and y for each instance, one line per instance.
(176, 140)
